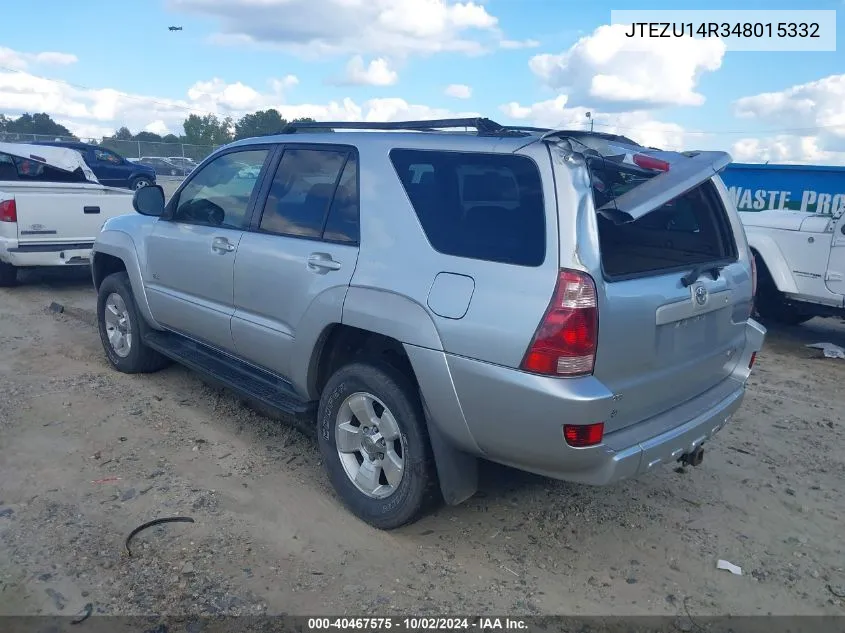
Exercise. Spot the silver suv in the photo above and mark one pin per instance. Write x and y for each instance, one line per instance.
(567, 303)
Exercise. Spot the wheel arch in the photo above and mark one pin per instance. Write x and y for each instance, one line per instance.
(367, 333)
(772, 262)
(115, 251)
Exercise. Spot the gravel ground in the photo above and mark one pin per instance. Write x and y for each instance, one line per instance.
(88, 454)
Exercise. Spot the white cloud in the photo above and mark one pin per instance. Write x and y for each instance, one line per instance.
(377, 73)
(57, 59)
(394, 28)
(811, 115)
(637, 125)
(21, 61)
(96, 113)
(608, 70)
(516, 44)
(157, 127)
(458, 91)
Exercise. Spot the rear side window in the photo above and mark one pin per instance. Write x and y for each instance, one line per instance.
(17, 168)
(474, 205)
(313, 189)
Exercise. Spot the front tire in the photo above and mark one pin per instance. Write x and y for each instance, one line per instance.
(121, 326)
(140, 182)
(374, 442)
(8, 275)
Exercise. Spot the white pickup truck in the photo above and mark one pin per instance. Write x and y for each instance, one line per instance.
(800, 261)
(51, 208)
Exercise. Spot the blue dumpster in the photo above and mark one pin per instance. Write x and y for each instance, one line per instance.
(809, 188)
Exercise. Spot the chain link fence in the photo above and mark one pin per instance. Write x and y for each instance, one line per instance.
(127, 149)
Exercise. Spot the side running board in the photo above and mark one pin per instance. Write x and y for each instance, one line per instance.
(249, 382)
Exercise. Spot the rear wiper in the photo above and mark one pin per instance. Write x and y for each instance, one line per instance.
(692, 276)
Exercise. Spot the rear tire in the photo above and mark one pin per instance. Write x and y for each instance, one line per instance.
(121, 328)
(772, 306)
(400, 479)
(8, 275)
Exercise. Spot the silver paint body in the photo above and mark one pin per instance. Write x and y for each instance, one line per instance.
(670, 370)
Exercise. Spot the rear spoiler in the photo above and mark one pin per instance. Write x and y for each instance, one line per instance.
(679, 172)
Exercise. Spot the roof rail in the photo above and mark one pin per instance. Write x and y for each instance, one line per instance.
(587, 133)
(483, 126)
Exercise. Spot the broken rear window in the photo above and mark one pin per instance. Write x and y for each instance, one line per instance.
(689, 230)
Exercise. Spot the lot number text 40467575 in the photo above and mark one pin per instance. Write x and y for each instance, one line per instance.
(404, 624)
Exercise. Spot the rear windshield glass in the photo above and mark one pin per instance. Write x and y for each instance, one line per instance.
(475, 205)
(16, 168)
(691, 229)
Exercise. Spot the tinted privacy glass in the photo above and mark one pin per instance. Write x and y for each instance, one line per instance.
(481, 206)
(219, 193)
(303, 189)
(342, 223)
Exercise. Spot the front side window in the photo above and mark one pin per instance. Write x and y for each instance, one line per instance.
(302, 192)
(105, 156)
(219, 193)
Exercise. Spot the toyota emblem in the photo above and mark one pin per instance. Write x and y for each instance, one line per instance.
(701, 295)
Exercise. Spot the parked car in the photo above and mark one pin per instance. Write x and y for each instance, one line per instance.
(186, 163)
(248, 171)
(793, 218)
(163, 166)
(432, 299)
(51, 207)
(110, 168)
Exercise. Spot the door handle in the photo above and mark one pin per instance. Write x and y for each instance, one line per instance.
(90, 209)
(222, 245)
(324, 261)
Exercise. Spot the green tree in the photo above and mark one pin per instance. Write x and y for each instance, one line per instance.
(147, 137)
(261, 123)
(171, 138)
(122, 134)
(207, 130)
(40, 123)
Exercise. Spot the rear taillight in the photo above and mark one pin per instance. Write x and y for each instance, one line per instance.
(8, 211)
(565, 341)
(752, 360)
(583, 435)
(649, 162)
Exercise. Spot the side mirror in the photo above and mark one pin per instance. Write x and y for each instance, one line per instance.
(149, 200)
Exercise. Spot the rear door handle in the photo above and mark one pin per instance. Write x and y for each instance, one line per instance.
(222, 245)
(90, 209)
(324, 261)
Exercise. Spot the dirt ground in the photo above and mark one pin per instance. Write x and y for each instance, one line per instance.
(87, 454)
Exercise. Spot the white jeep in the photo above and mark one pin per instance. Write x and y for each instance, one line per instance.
(800, 260)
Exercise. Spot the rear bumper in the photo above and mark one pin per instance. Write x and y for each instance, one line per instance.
(516, 419)
(36, 255)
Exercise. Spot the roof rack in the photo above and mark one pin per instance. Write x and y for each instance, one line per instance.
(581, 133)
(483, 126)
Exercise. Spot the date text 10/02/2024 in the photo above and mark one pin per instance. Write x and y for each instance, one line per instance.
(724, 29)
(418, 624)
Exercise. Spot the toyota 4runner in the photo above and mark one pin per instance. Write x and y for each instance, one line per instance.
(430, 293)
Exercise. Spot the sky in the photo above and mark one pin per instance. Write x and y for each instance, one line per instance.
(96, 65)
